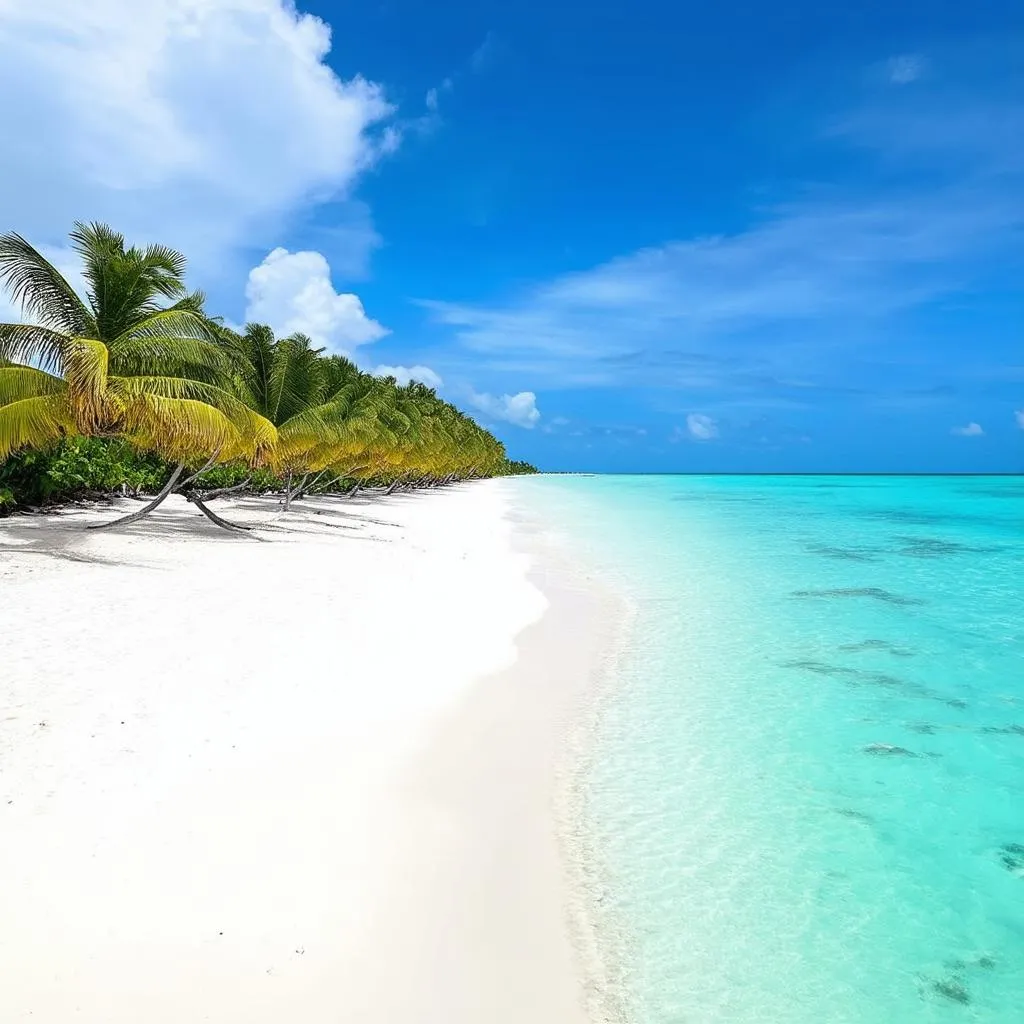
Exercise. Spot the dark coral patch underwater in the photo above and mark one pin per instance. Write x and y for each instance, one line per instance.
(878, 645)
(876, 593)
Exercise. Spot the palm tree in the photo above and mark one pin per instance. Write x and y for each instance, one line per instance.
(322, 407)
(136, 358)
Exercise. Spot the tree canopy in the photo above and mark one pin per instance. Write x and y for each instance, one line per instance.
(137, 360)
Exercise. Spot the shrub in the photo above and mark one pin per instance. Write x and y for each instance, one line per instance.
(76, 467)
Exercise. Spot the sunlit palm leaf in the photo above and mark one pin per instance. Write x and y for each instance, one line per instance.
(258, 434)
(34, 423)
(20, 382)
(165, 355)
(86, 376)
(179, 428)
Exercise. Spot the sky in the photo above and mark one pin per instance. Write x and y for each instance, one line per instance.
(647, 236)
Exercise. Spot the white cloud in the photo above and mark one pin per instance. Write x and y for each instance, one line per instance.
(200, 123)
(404, 374)
(431, 100)
(804, 288)
(484, 54)
(971, 430)
(701, 427)
(292, 291)
(906, 68)
(520, 409)
(689, 314)
(1019, 416)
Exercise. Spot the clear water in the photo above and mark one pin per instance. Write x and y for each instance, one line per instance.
(808, 799)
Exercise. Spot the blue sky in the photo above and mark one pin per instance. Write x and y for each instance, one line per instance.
(628, 236)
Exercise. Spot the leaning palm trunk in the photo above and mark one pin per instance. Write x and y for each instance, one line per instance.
(212, 516)
(307, 488)
(167, 491)
(175, 485)
(219, 492)
(326, 489)
(296, 493)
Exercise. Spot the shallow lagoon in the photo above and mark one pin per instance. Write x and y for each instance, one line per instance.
(807, 800)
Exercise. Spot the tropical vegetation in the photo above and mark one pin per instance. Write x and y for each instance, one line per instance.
(134, 388)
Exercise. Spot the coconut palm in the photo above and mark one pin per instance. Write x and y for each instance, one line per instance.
(136, 358)
(324, 409)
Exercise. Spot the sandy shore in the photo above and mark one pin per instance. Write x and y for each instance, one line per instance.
(299, 775)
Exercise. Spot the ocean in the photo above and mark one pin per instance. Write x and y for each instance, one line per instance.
(805, 803)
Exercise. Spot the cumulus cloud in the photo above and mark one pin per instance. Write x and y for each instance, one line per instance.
(701, 427)
(292, 291)
(970, 430)
(520, 409)
(199, 123)
(404, 374)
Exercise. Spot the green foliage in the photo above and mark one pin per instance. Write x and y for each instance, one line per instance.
(104, 392)
(516, 467)
(77, 467)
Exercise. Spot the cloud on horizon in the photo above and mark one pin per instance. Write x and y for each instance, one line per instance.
(970, 430)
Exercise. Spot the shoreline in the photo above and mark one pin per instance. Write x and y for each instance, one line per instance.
(567, 576)
(209, 822)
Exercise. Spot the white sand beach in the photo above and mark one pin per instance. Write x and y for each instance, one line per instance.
(298, 775)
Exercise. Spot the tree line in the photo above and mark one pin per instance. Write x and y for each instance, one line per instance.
(133, 387)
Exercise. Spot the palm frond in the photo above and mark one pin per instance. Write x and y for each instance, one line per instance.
(34, 345)
(34, 423)
(181, 320)
(168, 269)
(125, 285)
(257, 435)
(85, 372)
(166, 355)
(40, 288)
(180, 429)
(20, 382)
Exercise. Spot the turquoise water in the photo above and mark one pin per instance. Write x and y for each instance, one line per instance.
(807, 802)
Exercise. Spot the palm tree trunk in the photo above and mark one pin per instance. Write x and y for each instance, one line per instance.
(158, 500)
(221, 491)
(331, 483)
(312, 483)
(300, 491)
(288, 492)
(393, 486)
(195, 476)
(213, 517)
